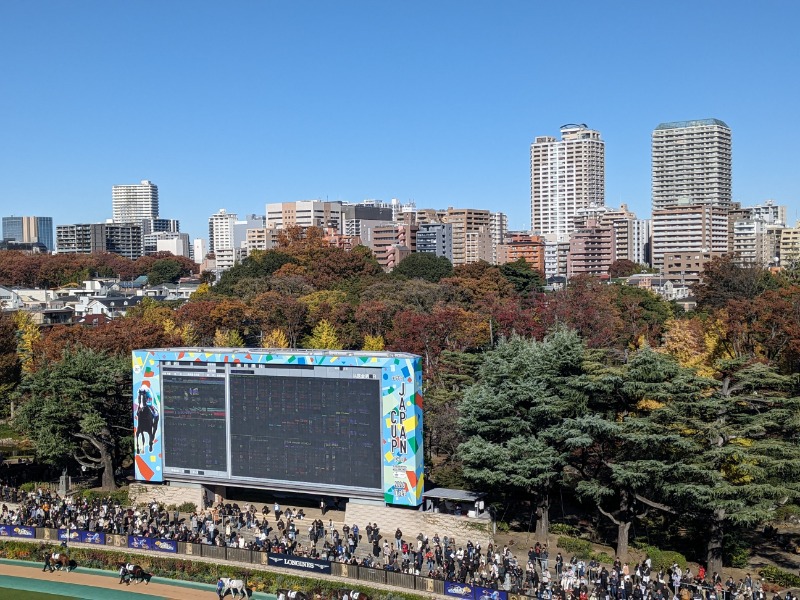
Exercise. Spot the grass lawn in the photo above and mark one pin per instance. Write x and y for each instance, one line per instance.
(12, 593)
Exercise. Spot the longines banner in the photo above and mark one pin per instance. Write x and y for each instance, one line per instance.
(22, 531)
(302, 563)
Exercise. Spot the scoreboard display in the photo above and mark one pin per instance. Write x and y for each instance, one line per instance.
(306, 429)
(335, 423)
(195, 416)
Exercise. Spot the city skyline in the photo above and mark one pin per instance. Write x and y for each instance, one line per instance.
(433, 104)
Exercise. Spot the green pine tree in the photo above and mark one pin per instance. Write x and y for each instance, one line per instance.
(79, 408)
(739, 456)
(525, 390)
(622, 457)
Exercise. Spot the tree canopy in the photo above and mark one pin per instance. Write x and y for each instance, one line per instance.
(79, 408)
(424, 265)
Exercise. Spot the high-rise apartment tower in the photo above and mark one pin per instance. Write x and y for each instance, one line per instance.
(566, 175)
(134, 203)
(691, 163)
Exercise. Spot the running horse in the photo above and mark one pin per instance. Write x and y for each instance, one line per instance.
(284, 594)
(236, 587)
(61, 561)
(137, 573)
(354, 595)
(146, 418)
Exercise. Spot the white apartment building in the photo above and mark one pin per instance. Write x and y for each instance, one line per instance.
(199, 250)
(167, 241)
(221, 230)
(633, 239)
(555, 258)
(567, 175)
(227, 257)
(750, 243)
(134, 203)
(498, 227)
(768, 212)
(691, 163)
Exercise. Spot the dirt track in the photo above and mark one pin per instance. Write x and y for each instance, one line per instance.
(100, 581)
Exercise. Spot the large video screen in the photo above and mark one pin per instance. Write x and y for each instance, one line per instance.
(306, 429)
(194, 422)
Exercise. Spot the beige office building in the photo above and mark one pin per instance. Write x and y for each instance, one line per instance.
(305, 213)
(790, 245)
(592, 250)
(689, 228)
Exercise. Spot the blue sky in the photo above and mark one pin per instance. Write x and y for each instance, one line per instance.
(236, 104)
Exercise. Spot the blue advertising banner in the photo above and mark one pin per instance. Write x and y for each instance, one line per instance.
(90, 537)
(459, 590)
(290, 561)
(143, 543)
(482, 593)
(17, 531)
(164, 545)
(74, 535)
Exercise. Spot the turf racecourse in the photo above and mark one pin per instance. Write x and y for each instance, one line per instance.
(15, 592)
(21, 579)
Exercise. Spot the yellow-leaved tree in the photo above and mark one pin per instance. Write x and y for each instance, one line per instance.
(186, 332)
(227, 338)
(27, 335)
(374, 343)
(693, 344)
(275, 339)
(323, 337)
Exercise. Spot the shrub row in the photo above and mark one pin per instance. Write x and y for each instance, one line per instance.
(783, 578)
(119, 496)
(191, 570)
(583, 549)
(576, 547)
(564, 529)
(663, 559)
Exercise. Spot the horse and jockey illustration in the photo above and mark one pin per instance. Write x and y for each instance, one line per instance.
(147, 417)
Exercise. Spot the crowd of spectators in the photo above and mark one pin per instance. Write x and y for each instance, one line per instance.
(289, 532)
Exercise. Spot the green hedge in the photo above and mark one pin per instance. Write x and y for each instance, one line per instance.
(564, 529)
(119, 496)
(782, 578)
(575, 546)
(190, 570)
(32, 486)
(663, 558)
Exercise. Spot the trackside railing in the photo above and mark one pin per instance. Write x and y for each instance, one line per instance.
(240, 555)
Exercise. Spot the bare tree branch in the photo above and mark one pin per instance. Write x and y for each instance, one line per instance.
(654, 504)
